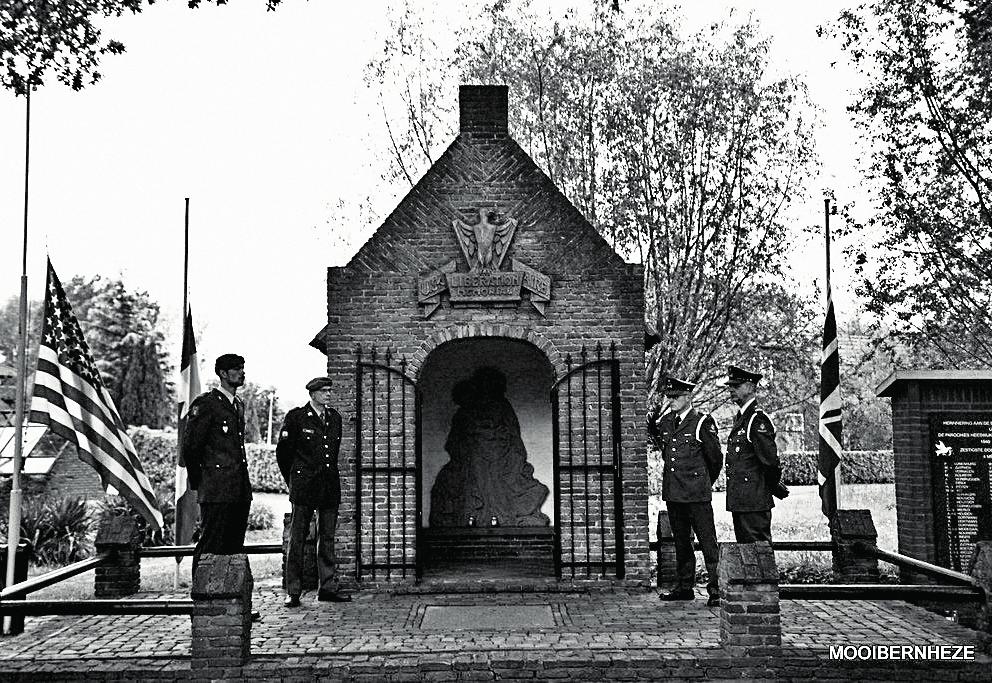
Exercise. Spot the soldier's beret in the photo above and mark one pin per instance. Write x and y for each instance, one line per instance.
(673, 385)
(736, 375)
(318, 383)
(228, 361)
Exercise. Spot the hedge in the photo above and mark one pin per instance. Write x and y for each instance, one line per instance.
(799, 468)
(157, 450)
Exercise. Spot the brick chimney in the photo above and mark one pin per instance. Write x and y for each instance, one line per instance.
(483, 109)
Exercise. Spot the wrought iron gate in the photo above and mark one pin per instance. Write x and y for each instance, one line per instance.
(387, 466)
(587, 467)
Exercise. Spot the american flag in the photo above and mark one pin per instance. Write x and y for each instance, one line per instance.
(70, 398)
(189, 388)
(830, 418)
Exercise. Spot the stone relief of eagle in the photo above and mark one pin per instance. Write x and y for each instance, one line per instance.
(485, 243)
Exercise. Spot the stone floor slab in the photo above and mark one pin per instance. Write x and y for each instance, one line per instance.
(487, 617)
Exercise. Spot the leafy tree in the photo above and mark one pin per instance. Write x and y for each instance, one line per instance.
(682, 151)
(39, 37)
(45, 35)
(925, 123)
(9, 314)
(122, 331)
(145, 393)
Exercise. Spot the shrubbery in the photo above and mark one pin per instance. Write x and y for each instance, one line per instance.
(799, 468)
(58, 529)
(260, 517)
(157, 450)
(118, 506)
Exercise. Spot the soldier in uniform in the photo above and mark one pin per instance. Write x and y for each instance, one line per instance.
(307, 454)
(214, 453)
(690, 447)
(754, 472)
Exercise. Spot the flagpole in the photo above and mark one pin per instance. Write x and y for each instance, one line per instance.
(826, 225)
(14, 518)
(179, 558)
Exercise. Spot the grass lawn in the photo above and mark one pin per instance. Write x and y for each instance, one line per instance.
(798, 518)
(158, 574)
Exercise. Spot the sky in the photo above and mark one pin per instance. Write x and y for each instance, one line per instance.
(262, 119)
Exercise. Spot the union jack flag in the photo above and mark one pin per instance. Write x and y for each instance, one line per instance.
(830, 416)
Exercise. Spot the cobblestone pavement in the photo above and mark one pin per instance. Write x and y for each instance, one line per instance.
(377, 625)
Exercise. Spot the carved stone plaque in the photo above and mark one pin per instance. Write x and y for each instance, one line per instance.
(484, 245)
(482, 286)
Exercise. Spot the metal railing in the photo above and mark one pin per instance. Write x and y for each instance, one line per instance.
(19, 590)
(879, 591)
(776, 545)
(12, 602)
(919, 566)
(187, 550)
(964, 589)
(34, 608)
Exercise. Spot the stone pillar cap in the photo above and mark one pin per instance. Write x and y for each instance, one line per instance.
(220, 576)
(117, 530)
(853, 523)
(748, 562)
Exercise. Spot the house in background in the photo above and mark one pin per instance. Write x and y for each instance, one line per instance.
(51, 465)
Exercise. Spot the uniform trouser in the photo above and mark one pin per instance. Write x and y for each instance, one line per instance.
(686, 518)
(750, 527)
(222, 529)
(299, 528)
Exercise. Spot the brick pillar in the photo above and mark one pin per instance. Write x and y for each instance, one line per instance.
(122, 576)
(750, 623)
(667, 569)
(222, 587)
(846, 528)
(980, 569)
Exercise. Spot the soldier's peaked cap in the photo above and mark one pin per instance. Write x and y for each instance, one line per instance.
(673, 385)
(318, 383)
(736, 375)
(228, 361)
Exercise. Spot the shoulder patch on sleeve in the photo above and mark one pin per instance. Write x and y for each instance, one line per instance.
(710, 425)
(763, 423)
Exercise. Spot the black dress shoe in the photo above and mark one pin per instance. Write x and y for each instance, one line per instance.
(678, 594)
(714, 601)
(292, 601)
(333, 597)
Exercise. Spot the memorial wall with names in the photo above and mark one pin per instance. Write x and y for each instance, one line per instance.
(961, 455)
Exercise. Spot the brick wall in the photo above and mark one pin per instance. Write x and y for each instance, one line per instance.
(596, 298)
(914, 400)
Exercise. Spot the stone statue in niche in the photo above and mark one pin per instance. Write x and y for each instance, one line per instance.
(488, 476)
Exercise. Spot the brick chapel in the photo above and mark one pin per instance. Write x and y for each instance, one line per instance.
(487, 350)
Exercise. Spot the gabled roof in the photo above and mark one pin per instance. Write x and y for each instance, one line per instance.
(484, 167)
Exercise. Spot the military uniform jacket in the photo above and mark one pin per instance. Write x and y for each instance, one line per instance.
(214, 449)
(308, 457)
(753, 467)
(691, 452)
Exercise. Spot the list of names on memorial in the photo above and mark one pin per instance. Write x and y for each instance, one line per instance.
(961, 453)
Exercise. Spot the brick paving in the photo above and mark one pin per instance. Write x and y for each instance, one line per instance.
(382, 636)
